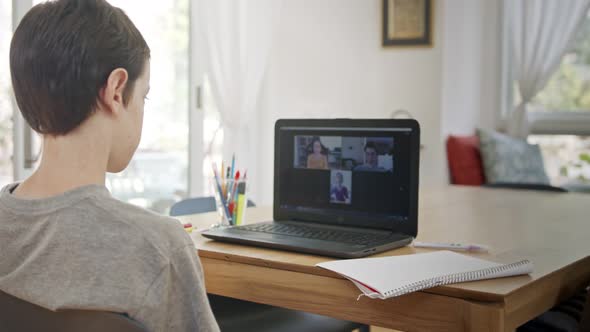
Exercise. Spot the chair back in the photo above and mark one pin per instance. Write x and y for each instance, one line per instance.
(585, 320)
(193, 205)
(197, 205)
(20, 315)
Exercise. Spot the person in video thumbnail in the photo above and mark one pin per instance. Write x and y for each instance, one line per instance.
(339, 192)
(316, 159)
(371, 159)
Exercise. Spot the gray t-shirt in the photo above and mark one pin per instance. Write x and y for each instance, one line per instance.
(83, 249)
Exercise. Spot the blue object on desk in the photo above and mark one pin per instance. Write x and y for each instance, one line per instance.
(193, 205)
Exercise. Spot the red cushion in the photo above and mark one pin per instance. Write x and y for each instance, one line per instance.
(465, 160)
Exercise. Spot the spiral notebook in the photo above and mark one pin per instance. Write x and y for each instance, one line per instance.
(385, 277)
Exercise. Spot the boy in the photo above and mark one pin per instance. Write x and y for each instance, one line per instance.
(80, 72)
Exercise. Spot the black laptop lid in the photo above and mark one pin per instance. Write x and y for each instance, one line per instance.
(348, 172)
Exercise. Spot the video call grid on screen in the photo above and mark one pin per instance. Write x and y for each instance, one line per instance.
(360, 170)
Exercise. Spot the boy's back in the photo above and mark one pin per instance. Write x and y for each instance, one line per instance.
(85, 250)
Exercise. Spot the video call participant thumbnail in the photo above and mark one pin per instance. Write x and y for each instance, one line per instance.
(317, 159)
(371, 162)
(339, 192)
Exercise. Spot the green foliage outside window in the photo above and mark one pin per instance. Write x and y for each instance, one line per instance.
(569, 87)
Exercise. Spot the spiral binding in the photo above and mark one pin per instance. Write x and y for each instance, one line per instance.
(451, 279)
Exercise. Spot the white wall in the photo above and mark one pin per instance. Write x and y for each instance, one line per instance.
(471, 65)
(327, 61)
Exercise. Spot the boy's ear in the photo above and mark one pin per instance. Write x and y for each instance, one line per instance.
(111, 94)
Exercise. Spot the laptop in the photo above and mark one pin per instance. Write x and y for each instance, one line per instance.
(343, 188)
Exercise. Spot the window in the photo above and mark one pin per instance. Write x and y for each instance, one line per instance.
(212, 137)
(569, 87)
(559, 115)
(158, 173)
(566, 157)
(6, 171)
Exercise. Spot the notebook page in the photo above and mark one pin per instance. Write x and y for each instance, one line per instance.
(384, 274)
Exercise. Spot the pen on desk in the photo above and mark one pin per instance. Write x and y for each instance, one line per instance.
(221, 197)
(233, 163)
(230, 175)
(227, 182)
(234, 187)
(452, 246)
(241, 203)
(222, 178)
(234, 197)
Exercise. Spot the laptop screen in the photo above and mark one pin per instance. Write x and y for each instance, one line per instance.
(346, 175)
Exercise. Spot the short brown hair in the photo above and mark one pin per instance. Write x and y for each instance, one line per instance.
(62, 54)
(370, 145)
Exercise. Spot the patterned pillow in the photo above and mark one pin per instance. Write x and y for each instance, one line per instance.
(510, 160)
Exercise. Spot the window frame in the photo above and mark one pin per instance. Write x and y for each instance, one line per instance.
(22, 134)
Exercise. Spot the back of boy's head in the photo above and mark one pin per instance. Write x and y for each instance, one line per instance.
(61, 56)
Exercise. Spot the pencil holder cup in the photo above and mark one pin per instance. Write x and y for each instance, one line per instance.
(231, 200)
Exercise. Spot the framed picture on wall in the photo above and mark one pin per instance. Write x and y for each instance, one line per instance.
(407, 23)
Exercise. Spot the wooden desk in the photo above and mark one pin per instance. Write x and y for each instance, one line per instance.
(551, 229)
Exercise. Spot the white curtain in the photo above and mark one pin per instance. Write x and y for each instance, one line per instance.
(237, 37)
(541, 31)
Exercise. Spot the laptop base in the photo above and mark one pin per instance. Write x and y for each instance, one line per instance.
(307, 245)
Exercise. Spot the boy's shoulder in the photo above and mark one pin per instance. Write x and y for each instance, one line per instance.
(159, 229)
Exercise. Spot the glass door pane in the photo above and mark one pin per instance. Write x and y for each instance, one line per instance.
(6, 171)
(158, 173)
(212, 137)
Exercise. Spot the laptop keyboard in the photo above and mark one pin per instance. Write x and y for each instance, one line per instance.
(315, 233)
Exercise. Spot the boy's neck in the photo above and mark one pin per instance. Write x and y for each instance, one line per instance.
(68, 162)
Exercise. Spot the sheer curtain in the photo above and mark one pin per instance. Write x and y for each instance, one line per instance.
(237, 39)
(540, 33)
